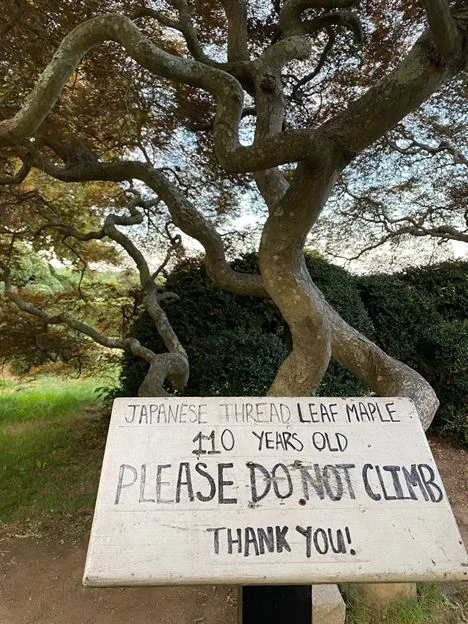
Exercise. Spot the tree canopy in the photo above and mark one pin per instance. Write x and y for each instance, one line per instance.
(177, 116)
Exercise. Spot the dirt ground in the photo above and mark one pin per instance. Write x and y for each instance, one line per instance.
(40, 579)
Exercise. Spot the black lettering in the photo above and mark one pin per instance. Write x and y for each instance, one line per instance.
(346, 468)
(372, 410)
(201, 469)
(142, 498)
(370, 492)
(227, 440)
(340, 546)
(338, 494)
(322, 548)
(121, 485)
(280, 440)
(331, 448)
(382, 485)
(259, 412)
(434, 491)
(342, 441)
(132, 415)
(307, 533)
(222, 483)
(413, 479)
(394, 470)
(226, 410)
(319, 440)
(281, 541)
(285, 413)
(363, 411)
(300, 446)
(316, 483)
(184, 467)
(253, 481)
(390, 411)
(231, 541)
(162, 413)
(286, 441)
(143, 413)
(193, 411)
(201, 413)
(274, 413)
(299, 411)
(313, 414)
(173, 413)
(266, 539)
(250, 538)
(153, 409)
(216, 537)
(275, 479)
(324, 414)
(183, 413)
(160, 483)
(260, 438)
(352, 410)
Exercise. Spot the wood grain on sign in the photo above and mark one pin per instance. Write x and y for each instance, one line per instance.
(270, 490)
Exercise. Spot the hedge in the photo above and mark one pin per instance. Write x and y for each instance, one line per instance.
(236, 343)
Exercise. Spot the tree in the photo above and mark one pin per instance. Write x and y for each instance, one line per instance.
(81, 123)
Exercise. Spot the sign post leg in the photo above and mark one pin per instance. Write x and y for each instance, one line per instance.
(276, 604)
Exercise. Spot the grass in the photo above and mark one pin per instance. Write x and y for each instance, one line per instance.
(44, 398)
(50, 454)
(432, 606)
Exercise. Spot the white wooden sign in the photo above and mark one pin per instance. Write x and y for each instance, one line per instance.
(270, 490)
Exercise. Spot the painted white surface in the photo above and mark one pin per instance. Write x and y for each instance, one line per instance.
(387, 523)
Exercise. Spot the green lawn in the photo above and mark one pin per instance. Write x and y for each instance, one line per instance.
(432, 606)
(51, 445)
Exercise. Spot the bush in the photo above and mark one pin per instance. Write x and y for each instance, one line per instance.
(419, 317)
(446, 284)
(236, 344)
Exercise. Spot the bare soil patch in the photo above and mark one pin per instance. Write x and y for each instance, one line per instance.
(40, 583)
(453, 467)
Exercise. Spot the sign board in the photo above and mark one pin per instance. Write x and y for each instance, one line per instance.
(270, 490)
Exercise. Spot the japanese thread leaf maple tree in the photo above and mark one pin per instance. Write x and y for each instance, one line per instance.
(272, 93)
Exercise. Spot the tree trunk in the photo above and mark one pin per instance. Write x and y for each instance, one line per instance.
(289, 284)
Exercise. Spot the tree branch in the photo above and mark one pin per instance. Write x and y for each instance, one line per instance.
(20, 175)
(385, 375)
(416, 147)
(290, 14)
(376, 112)
(184, 215)
(444, 30)
(282, 148)
(173, 365)
(236, 14)
(318, 68)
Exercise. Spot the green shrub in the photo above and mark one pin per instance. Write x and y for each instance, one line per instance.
(236, 343)
(446, 284)
(420, 317)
